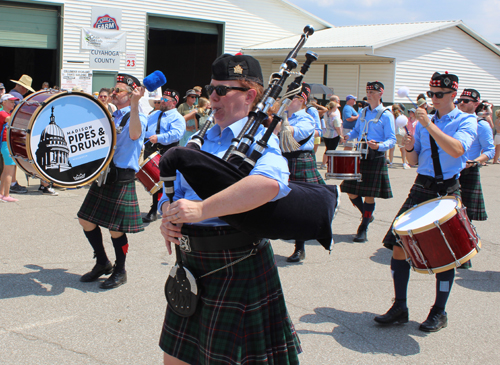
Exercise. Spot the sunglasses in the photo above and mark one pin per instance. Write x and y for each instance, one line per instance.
(465, 101)
(118, 90)
(438, 95)
(192, 96)
(103, 96)
(222, 90)
(166, 100)
(156, 102)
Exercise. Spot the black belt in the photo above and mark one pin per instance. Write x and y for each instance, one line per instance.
(151, 148)
(372, 154)
(295, 154)
(217, 239)
(117, 175)
(430, 183)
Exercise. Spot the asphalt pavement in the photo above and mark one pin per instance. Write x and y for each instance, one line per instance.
(49, 317)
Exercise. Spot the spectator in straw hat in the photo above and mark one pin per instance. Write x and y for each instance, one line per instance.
(22, 87)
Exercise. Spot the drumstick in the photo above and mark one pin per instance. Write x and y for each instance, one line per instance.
(404, 91)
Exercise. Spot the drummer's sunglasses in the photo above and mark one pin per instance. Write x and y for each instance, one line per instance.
(117, 90)
(222, 90)
(465, 101)
(439, 94)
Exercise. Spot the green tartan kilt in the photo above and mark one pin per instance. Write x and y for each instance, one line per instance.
(303, 168)
(472, 194)
(241, 316)
(375, 180)
(113, 206)
(417, 195)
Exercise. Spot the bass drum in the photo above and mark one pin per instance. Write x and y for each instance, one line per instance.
(66, 138)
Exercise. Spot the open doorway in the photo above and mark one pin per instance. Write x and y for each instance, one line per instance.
(184, 56)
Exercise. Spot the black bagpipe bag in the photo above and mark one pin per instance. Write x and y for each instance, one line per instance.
(305, 213)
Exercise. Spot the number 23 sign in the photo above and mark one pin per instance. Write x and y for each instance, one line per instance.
(130, 60)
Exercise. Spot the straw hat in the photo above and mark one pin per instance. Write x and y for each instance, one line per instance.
(25, 81)
(152, 100)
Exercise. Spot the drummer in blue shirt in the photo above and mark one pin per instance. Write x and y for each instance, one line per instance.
(114, 204)
(165, 129)
(454, 133)
(481, 151)
(375, 129)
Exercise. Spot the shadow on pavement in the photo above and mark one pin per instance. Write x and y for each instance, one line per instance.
(486, 281)
(382, 256)
(358, 332)
(44, 282)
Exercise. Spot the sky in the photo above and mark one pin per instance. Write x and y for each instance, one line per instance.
(479, 15)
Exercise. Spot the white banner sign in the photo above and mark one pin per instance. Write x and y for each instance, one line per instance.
(104, 60)
(107, 40)
(72, 78)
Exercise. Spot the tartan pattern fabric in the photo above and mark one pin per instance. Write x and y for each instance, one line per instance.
(303, 168)
(417, 195)
(241, 316)
(375, 180)
(472, 194)
(113, 206)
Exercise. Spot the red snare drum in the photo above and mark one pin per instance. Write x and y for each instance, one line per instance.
(61, 137)
(343, 165)
(149, 173)
(437, 235)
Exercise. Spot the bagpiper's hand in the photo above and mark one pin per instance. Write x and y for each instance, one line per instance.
(153, 138)
(170, 232)
(185, 211)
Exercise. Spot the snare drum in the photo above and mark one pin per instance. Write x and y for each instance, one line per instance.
(149, 173)
(65, 138)
(343, 165)
(437, 235)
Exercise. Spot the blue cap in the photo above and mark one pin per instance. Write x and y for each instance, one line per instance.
(349, 97)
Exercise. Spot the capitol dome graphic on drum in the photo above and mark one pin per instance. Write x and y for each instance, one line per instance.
(53, 151)
(66, 138)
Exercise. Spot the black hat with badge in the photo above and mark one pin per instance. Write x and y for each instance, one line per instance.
(172, 93)
(305, 91)
(237, 67)
(130, 80)
(446, 80)
(375, 85)
(472, 93)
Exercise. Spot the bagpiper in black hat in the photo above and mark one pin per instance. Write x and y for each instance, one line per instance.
(239, 67)
(472, 93)
(129, 80)
(375, 85)
(446, 80)
(172, 93)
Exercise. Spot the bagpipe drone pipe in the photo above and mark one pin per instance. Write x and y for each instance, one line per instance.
(305, 213)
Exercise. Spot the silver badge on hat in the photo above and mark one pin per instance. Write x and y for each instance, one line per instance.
(446, 81)
(474, 95)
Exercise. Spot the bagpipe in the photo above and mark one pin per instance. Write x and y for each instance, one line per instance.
(305, 213)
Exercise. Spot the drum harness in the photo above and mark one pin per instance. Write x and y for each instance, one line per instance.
(117, 175)
(368, 153)
(153, 147)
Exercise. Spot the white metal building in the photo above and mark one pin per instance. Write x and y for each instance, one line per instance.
(395, 54)
(179, 37)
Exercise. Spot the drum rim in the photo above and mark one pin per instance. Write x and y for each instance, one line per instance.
(430, 226)
(332, 175)
(35, 114)
(149, 158)
(341, 152)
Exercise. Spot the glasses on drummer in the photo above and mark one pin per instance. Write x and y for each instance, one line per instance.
(118, 90)
(465, 101)
(439, 94)
(222, 90)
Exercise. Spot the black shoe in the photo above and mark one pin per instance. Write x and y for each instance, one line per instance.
(18, 189)
(150, 217)
(297, 256)
(115, 280)
(361, 235)
(436, 320)
(96, 272)
(394, 315)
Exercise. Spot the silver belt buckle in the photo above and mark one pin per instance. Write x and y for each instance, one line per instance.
(184, 243)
